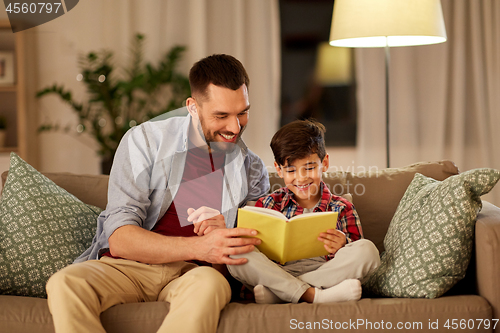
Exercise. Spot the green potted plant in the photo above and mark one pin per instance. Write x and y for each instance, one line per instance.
(118, 101)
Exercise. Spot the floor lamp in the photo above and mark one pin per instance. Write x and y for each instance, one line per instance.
(387, 23)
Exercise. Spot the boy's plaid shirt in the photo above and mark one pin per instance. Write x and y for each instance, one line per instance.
(348, 220)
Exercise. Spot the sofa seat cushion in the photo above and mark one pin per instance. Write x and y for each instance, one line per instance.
(345, 316)
(26, 314)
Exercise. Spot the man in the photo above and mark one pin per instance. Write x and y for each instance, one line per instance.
(162, 227)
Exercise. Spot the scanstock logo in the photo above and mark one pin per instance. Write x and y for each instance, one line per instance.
(26, 14)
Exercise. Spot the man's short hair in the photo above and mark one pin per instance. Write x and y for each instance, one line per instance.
(219, 69)
(298, 140)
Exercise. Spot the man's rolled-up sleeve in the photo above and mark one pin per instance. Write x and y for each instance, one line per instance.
(129, 182)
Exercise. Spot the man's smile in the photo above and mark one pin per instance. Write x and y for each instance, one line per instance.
(228, 137)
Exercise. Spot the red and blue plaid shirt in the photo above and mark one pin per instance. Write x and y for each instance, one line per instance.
(348, 220)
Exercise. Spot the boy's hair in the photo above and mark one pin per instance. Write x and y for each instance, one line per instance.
(219, 69)
(298, 140)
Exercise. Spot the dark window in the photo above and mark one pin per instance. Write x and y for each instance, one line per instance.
(305, 26)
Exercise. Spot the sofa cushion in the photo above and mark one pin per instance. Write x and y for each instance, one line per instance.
(365, 315)
(91, 189)
(376, 193)
(42, 229)
(25, 314)
(429, 241)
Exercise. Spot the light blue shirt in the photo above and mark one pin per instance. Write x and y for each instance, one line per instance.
(147, 171)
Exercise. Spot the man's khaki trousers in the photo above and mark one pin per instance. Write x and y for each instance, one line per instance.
(79, 293)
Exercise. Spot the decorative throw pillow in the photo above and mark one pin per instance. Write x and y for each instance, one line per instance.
(43, 228)
(429, 241)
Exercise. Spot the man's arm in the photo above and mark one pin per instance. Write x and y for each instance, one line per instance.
(135, 243)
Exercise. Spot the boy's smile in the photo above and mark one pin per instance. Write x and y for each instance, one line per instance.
(303, 177)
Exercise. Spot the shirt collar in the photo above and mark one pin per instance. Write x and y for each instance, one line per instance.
(326, 196)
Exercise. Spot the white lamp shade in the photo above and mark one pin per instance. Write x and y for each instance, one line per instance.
(380, 23)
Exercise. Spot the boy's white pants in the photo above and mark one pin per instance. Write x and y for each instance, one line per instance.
(354, 261)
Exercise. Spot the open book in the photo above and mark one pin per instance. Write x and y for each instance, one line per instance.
(286, 240)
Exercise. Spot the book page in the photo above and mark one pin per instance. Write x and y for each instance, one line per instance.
(267, 211)
(271, 231)
(306, 215)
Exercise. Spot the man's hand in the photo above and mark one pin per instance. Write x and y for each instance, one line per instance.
(218, 245)
(334, 240)
(205, 220)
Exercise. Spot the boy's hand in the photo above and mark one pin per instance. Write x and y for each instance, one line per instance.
(205, 220)
(334, 240)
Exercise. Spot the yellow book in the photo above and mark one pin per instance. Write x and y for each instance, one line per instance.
(285, 239)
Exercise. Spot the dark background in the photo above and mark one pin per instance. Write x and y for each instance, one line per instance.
(304, 25)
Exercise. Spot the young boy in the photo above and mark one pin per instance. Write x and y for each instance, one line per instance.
(300, 159)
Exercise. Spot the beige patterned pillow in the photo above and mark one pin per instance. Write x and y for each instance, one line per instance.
(429, 241)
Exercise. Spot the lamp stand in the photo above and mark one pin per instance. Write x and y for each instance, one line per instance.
(387, 137)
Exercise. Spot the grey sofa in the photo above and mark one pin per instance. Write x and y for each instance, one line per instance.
(474, 301)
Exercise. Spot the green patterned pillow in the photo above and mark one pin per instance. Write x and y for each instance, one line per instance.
(429, 241)
(43, 228)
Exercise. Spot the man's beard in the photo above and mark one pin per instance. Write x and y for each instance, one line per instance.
(211, 141)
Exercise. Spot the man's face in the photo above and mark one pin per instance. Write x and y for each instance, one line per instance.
(303, 178)
(223, 115)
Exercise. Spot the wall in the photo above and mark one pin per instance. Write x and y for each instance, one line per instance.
(245, 29)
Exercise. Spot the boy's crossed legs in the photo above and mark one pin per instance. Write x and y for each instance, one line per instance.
(334, 281)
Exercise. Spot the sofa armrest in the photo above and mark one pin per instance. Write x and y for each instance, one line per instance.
(488, 256)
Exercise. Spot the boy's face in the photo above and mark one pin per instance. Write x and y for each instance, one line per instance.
(303, 178)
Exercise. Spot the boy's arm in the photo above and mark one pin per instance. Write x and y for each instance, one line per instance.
(334, 240)
(348, 230)
(349, 223)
